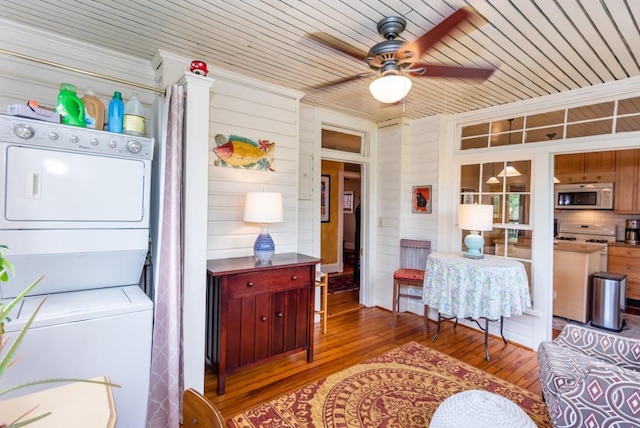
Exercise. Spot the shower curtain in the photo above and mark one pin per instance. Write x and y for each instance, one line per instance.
(166, 381)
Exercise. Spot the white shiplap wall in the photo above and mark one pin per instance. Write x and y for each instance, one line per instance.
(22, 80)
(388, 221)
(407, 157)
(308, 231)
(254, 110)
(420, 167)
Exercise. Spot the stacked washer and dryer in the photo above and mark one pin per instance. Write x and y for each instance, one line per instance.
(75, 207)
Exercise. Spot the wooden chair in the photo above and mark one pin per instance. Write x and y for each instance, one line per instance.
(322, 281)
(413, 261)
(199, 412)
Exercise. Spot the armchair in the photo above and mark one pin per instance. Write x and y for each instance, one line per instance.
(591, 378)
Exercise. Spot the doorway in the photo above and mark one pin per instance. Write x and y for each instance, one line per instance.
(344, 287)
(341, 228)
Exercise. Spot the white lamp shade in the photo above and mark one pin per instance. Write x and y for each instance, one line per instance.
(263, 207)
(509, 172)
(475, 217)
(390, 89)
(493, 180)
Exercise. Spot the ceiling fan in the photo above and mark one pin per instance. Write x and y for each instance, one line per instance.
(393, 59)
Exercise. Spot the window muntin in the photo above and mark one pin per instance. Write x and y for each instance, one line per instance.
(510, 196)
(616, 116)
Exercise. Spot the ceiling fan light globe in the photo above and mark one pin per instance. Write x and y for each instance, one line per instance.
(390, 89)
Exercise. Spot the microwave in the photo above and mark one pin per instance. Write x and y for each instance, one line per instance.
(584, 196)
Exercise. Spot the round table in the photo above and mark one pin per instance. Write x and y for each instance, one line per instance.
(491, 288)
(479, 409)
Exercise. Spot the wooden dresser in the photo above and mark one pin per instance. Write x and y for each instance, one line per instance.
(257, 313)
(625, 259)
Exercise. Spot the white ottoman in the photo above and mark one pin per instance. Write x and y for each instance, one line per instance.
(479, 409)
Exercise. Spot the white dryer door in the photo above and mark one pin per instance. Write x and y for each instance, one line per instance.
(49, 188)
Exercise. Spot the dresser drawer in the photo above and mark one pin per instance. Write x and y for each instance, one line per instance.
(633, 292)
(248, 284)
(625, 265)
(627, 251)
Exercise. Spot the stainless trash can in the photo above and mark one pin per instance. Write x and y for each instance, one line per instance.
(608, 300)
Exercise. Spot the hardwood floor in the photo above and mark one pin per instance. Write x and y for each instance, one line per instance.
(358, 334)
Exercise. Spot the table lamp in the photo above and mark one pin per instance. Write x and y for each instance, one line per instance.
(263, 208)
(474, 218)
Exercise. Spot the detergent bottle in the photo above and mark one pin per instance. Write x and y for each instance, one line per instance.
(70, 106)
(116, 113)
(94, 110)
(134, 117)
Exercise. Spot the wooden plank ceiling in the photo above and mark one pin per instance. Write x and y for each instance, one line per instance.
(538, 47)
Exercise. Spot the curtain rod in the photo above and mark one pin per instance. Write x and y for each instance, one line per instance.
(88, 73)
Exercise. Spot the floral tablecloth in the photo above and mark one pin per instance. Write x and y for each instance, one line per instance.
(475, 288)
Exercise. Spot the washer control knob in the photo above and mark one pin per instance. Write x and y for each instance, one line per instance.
(94, 141)
(74, 139)
(53, 136)
(134, 146)
(24, 131)
(113, 144)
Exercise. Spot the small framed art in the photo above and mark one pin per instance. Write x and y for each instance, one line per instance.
(347, 205)
(325, 195)
(421, 201)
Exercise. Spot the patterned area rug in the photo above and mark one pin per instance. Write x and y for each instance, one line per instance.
(341, 283)
(400, 388)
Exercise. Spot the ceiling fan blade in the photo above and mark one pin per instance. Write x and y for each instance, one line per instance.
(336, 44)
(430, 70)
(343, 80)
(412, 51)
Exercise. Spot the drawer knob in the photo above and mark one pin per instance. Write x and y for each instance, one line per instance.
(279, 314)
(294, 277)
(628, 267)
(263, 318)
(249, 284)
(628, 252)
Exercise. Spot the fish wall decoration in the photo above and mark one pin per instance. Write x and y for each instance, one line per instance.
(241, 152)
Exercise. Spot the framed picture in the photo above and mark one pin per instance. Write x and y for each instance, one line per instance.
(347, 204)
(325, 193)
(421, 201)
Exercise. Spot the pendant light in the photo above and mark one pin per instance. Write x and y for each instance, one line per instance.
(509, 171)
(492, 179)
(551, 136)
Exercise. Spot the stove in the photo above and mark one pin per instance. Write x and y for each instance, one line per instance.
(584, 232)
(588, 234)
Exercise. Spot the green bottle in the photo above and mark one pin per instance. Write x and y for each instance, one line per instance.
(70, 106)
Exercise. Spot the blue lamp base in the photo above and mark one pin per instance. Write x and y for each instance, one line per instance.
(474, 243)
(264, 247)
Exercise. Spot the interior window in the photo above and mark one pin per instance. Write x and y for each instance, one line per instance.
(336, 140)
(507, 187)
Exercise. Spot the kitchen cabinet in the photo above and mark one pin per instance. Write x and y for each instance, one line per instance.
(627, 190)
(257, 313)
(515, 249)
(576, 163)
(625, 259)
(572, 270)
